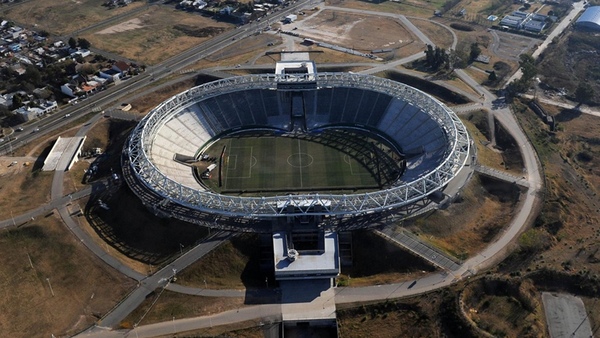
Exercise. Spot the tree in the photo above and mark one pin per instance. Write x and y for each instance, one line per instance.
(83, 43)
(527, 64)
(584, 93)
(32, 74)
(475, 51)
(17, 102)
(72, 43)
(492, 77)
(435, 57)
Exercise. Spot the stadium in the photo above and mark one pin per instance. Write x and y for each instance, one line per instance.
(398, 144)
(301, 156)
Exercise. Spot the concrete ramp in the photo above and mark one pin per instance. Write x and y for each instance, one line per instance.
(308, 306)
(501, 175)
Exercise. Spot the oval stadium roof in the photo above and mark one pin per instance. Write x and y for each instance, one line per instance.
(590, 19)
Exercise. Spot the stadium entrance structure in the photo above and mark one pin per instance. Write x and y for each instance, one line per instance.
(433, 141)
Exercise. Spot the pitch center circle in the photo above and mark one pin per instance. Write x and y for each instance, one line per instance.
(300, 160)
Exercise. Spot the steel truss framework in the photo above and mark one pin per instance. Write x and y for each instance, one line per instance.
(400, 194)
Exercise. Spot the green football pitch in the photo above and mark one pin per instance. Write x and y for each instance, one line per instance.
(270, 164)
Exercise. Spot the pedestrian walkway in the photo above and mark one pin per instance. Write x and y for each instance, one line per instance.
(416, 246)
(501, 175)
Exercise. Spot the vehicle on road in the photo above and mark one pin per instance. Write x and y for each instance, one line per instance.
(20, 129)
(35, 130)
(67, 115)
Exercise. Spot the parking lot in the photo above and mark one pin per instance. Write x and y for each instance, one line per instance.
(510, 46)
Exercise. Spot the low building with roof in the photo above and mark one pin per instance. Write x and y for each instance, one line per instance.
(28, 113)
(590, 19)
(534, 26)
(511, 21)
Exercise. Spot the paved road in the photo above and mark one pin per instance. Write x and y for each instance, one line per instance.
(566, 105)
(558, 30)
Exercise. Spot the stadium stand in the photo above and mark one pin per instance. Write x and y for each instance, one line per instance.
(435, 141)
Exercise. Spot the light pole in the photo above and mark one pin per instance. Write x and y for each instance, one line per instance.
(174, 329)
(50, 285)
(181, 249)
(205, 286)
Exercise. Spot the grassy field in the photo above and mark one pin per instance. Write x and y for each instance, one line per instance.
(473, 221)
(22, 188)
(271, 164)
(156, 34)
(233, 265)
(62, 17)
(42, 254)
(163, 306)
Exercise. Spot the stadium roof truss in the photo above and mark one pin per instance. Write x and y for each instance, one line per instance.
(398, 195)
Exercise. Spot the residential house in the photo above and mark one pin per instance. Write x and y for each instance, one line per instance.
(122, 67)
(28, 113)
(70, 89)
(109, 74)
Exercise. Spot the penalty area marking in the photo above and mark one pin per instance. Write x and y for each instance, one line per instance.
(349, 161)
(252, 160)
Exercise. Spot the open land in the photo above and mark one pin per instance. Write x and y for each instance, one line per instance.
(22, 186)
(472, 222)
(410, 7)
(65, 16)
(360, 32)
(572, 61)
(156, 34)
(165, 305)
(44, 254)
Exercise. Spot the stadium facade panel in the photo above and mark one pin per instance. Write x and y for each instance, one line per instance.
(433, 139)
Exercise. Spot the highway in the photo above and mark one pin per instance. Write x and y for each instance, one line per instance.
(111, 96)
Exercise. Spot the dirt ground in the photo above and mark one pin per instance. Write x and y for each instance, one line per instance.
(360, 32)
(23, 186)
(62, 17)
(156, 34)
(58, 285)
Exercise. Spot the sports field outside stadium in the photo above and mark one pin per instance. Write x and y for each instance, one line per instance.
(264, 165)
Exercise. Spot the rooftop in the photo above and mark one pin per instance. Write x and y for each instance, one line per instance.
(307, 264)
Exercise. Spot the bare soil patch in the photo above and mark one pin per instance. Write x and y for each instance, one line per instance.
(62, 17)
(436, 33)
(164, 32)
(22, 188)
(244, 49)
(43, 254)
(408, 8)
(359, 32)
